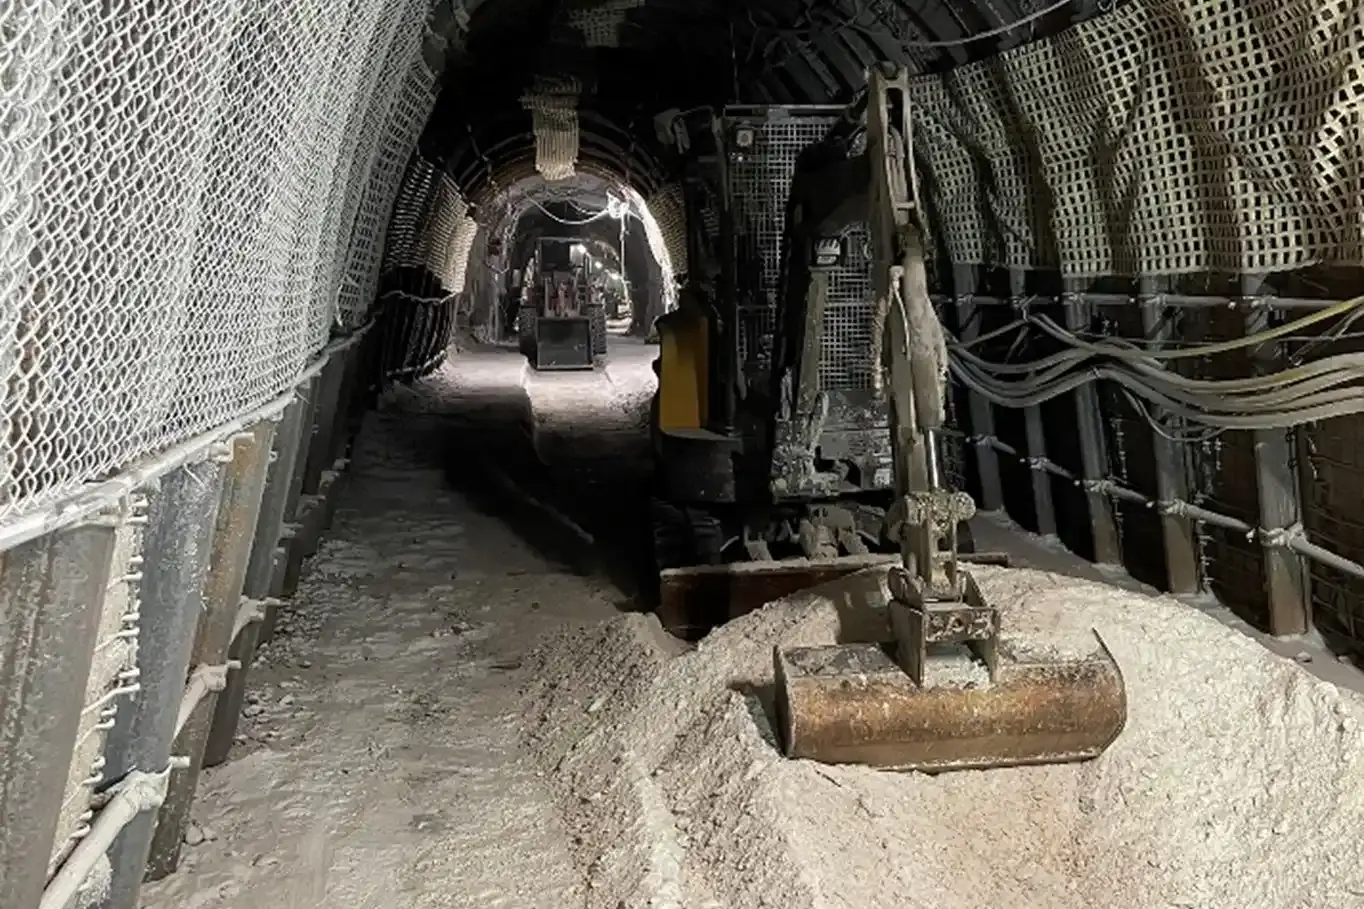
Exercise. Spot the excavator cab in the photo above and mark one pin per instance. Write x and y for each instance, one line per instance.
(773, 453)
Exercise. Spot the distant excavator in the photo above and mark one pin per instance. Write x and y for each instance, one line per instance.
(949, 691)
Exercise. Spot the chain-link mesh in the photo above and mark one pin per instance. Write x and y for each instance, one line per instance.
(456, 266)
(391, 127)
(180, 191)
(415, 204)
(670, 213)
(445, 217)
(1162, 138)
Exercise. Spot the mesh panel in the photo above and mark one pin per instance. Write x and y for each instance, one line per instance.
(553, 105)
(457, 256)
(1220, 137)
(393, 122)
(670, 214)
(444, 219)
(846, 360)
(173, 223)
(664, 224)
(416, 200)
(760, 181)
(600, 25)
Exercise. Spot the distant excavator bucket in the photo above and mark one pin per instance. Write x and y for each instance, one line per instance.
(954, 694)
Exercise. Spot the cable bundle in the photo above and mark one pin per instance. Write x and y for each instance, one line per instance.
(1303, 393)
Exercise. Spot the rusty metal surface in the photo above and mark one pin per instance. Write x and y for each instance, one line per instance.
(287, 451)
(238, 513)
(694, 600)
(851, 704)
(51, 593)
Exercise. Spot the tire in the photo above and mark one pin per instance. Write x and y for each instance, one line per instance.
(672, 543)
(707, 537)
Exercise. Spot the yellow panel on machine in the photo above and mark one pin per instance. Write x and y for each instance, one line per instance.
(683, 392)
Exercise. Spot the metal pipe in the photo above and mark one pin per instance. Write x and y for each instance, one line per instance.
(136, 794)
(1306, 547)
(204, 681)
(182, 514)
(1175, 301)
(94, 497)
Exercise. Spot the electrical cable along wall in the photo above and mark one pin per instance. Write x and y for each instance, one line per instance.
(1174, 168)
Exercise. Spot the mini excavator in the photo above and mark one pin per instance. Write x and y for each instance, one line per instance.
(951, 690)
(753, 445)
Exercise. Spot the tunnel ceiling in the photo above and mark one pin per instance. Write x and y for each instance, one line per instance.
(643, 57)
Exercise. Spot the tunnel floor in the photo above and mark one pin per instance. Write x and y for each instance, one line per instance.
(381, 759)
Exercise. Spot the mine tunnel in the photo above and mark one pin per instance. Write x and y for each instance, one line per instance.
(451, 454)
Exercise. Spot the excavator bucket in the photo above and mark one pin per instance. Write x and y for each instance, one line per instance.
(955, 693)
(851, 704)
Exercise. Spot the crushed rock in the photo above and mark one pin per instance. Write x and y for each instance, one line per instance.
(1235, 784)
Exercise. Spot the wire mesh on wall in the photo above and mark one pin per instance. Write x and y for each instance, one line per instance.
(1100, 151)
(172, 242)
(424, 267)
(600, 25)
(392, 124)
(664, 218)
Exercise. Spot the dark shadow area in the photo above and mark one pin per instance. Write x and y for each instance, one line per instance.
(575, 490)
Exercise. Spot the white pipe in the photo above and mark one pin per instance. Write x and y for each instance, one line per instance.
(251, 612)
(138, 792)
(94, 497)
(205, 681)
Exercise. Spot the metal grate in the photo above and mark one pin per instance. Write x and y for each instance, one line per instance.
(845, 361)
(760, 182)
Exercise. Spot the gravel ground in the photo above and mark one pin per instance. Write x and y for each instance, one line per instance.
(457, 713)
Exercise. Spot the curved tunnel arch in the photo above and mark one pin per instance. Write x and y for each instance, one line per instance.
(989, 181)
(637, 61)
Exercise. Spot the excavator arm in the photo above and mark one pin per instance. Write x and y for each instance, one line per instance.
(909, 347)
(957, 694)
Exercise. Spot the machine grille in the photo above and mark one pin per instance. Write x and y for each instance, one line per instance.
(760, 181)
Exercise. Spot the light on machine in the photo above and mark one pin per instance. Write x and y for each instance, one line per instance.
(744, 137)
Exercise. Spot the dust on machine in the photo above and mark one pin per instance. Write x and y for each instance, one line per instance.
(798, 433)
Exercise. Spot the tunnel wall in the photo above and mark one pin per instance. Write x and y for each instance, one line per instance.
(1184, 178)
(196, 218)
(190, 241)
